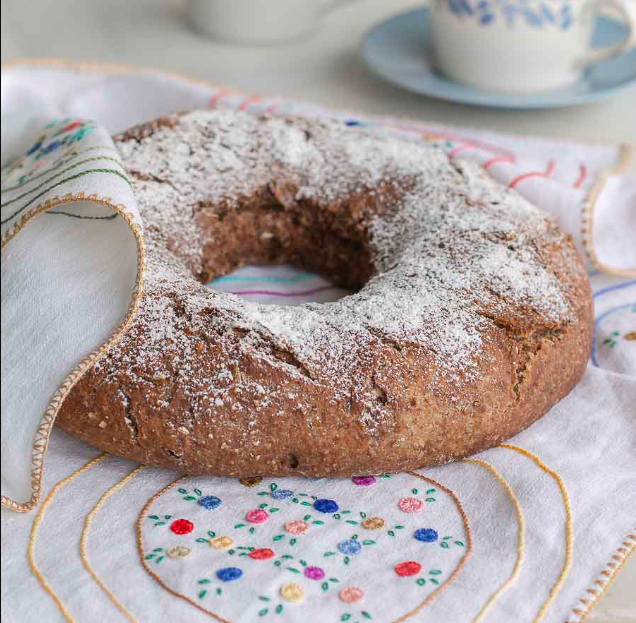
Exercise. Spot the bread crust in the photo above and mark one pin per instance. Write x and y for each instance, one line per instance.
(232, 389)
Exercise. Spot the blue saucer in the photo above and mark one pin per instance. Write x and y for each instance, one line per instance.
(398, 51)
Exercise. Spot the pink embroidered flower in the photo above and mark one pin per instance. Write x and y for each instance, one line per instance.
(363, 481)
(296, 527)
(410, 505)
(314, 573)
(257, 515)
(182, 526)
(351, 594)
(408, 568)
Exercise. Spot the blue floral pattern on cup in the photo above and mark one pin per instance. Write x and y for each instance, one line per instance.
(533, 13)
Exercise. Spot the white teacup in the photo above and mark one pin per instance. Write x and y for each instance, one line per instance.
(259, 21)
(520, 46)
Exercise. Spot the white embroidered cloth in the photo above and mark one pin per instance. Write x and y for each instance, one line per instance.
(528, 532)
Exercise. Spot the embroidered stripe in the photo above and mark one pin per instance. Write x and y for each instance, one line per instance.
(64, 181)
(74, 165)
(34, 533)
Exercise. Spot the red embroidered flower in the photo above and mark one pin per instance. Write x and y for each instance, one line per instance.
(257, 515)
(261, 554)
(408, 568)
(410, 505)
(182, 526)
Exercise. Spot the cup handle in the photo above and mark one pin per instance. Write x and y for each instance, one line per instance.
(628, 9)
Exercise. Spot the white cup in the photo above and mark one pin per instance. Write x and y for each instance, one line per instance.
(259, 21)
(520, 46)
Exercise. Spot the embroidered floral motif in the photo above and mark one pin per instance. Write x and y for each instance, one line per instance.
(363, 481)
(182, 526)
(275, 540)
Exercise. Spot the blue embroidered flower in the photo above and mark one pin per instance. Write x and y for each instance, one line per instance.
(350, 547)
(426, 535)
(229, 574)
(282, 494)
(210, 502)
(326, 506)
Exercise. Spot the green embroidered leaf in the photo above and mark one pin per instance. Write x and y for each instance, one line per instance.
(366, 615)
(182, 491)
(434, 581)
(428, 491)
(368, 542)
(293, 570)
(189, 498)
(421, 582)
(211, 533)
(273, 486)
(345, 512)
(435, 572)
(265, 505)
(318, 522)
(201, 540)
(278, 537)
(252, 530)
(345, 617)
(167, 516)
(303, 563)
(306, 517)
(263, 612)
(287, 556)
(198, 492)
(446, 538)
(150, 556)
(337, 516)
(274, 510)
(159, 559)
(414, 491)
(391, 533)
(305, 504)
(277, 563)
(202, 594)
(239, 525)
(219, 591)
(347, 560)
(313, 497)
(158, 549)
(263, 493)
(295, 500)
(430, 499)
(293, 541)
(399, 527)
(231, 552)
(330, 554)
(204, 581)
(264, 598)
(363, 515)
(155, 517)
(459, 543)
(444, 544)
(279, 608)
(160, 523)
(353, 523)
(336, 580)
(325, 586)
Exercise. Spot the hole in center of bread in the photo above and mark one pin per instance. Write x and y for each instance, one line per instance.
(283, 256)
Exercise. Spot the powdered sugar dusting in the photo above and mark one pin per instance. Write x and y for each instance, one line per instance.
(447, 243)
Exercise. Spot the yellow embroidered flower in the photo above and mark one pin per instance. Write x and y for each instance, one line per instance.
(373, 523)
(222, 542)
(292, 592)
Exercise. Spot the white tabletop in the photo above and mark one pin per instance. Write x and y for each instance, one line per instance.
(325, 68)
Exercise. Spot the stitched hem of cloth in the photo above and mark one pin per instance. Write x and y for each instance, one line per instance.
(626, 150)
(43, 433)
(600, 585)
